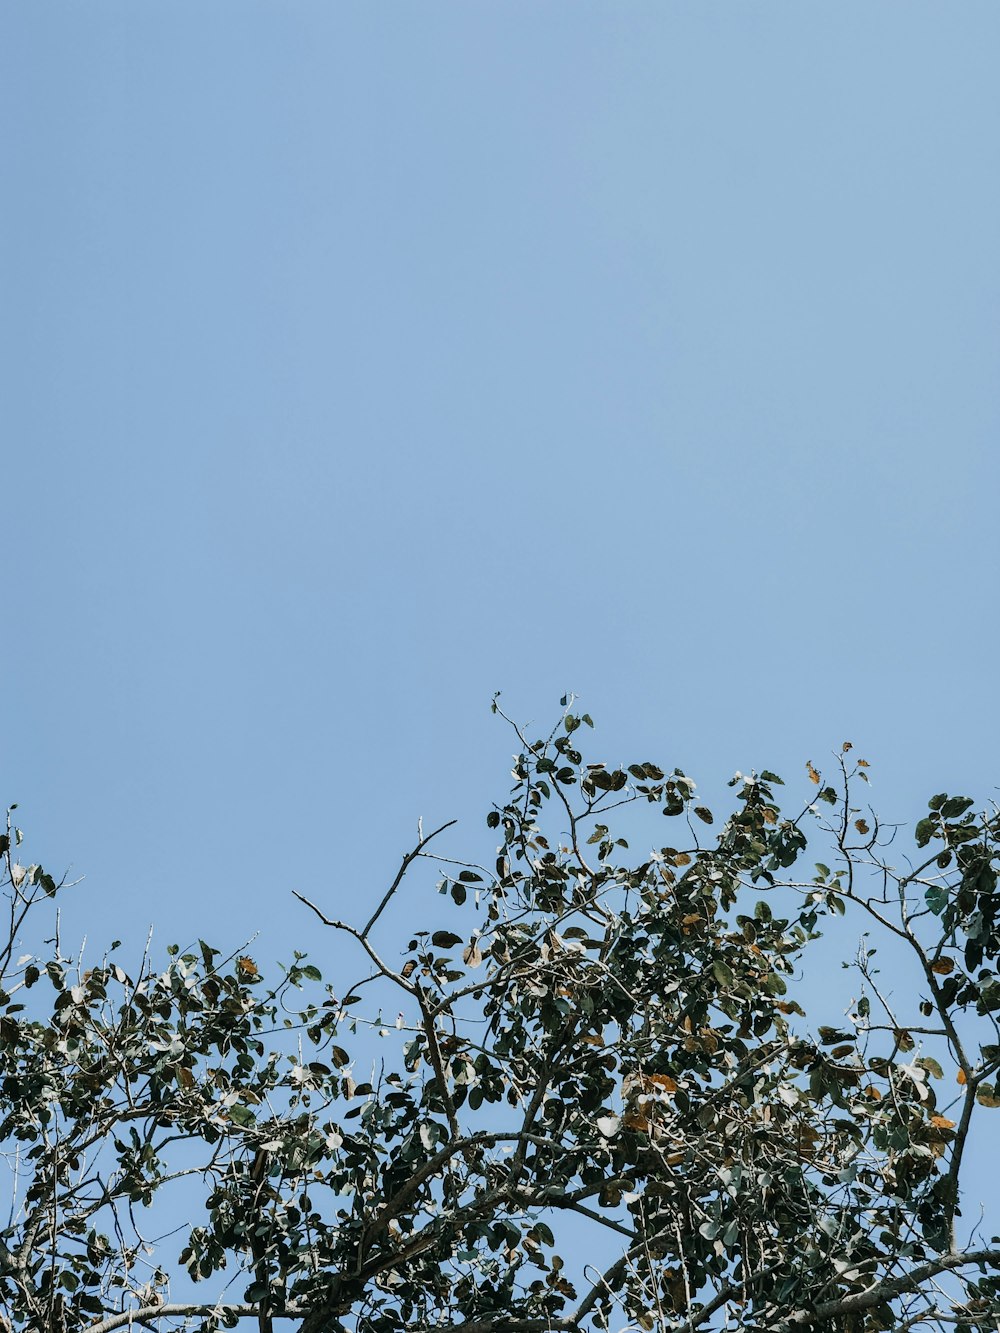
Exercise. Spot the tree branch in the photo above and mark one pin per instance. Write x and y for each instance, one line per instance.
(137, 1313)
(887, 1288)
(407, 859)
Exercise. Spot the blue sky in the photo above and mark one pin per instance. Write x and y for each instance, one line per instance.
(360, 360)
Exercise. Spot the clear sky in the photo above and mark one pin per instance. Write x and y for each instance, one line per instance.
(362, 359)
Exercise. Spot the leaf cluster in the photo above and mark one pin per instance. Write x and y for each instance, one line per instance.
(602, 1053)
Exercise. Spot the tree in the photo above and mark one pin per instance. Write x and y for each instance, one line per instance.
(604, 1106)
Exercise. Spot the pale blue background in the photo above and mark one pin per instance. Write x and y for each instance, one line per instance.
(362, 359)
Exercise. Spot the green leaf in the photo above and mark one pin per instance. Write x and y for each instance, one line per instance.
(989, 995)
(925, 830)
(936, 898)
(955, 806)
(445, 939)
(723, 973)
(831, 1036)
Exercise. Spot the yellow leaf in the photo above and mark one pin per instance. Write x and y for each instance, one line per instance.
(942, 1122)
(682, 859)
(861, 826)
(960, 1076)
(847, 746)
(185, 1077)
(942, 966)
(863, 763)
(247, 967)
(813, 775)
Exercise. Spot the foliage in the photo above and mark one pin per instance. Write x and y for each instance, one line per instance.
(606, 1109)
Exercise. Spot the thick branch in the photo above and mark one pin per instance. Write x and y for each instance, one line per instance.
(888, 1288)
(138, 1313)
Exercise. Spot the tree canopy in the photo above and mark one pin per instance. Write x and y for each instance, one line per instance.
(587, 1097)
